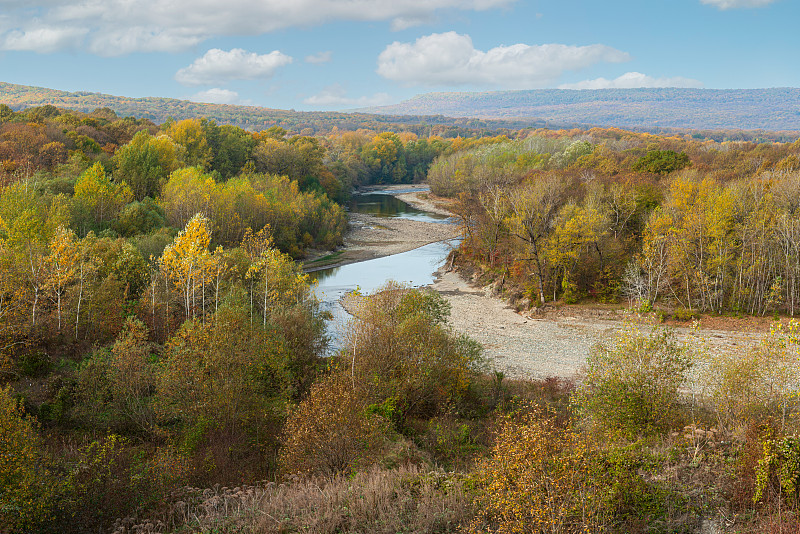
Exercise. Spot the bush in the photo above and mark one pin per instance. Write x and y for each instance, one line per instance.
(331, 431)
(24, 488)
(761, 382)
(632, 386)
(685, 314)
(537, 480)
(400, 346)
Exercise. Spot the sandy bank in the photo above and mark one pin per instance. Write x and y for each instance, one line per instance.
(372, 237)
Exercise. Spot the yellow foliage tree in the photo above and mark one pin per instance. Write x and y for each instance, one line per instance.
(190, 134)
(62, 266)
(184, 262)
(537, 479)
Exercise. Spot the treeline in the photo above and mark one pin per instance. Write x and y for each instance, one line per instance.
(698, 226)
(136, 151)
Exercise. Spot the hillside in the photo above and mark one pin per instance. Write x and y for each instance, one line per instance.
(249, 117)
(748, 109)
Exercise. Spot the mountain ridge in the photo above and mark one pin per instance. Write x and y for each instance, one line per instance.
(750, 109)
(160, 109)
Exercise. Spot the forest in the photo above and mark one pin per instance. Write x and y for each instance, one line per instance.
(163, 360)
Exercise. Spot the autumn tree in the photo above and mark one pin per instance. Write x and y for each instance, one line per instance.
(98, 195)
(228, 372)
(146, 162)
(184, 262)
(535, 205)
(190, 134)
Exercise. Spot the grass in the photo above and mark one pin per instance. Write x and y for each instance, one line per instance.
(380, 501)
(333, 257)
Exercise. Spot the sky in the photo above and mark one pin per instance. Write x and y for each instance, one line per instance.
(343, 54)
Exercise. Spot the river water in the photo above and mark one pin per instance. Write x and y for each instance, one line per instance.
(414, 267)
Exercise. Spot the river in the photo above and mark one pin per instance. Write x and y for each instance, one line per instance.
(415, 267)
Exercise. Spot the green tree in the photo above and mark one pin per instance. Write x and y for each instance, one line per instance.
(100, 196)
(145, 163)
(662, 162)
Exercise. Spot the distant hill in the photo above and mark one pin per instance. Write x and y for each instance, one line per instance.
(250, 117)
(649, 109)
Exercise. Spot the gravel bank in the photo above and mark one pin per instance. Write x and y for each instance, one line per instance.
(525, 346)
(372, 237)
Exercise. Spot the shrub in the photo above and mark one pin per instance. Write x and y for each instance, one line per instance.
(632, 386)
(761, 382)
(331, 431)
(399, 346)
(537, 480)
(778, 471)
(24, 488)
(684, 314)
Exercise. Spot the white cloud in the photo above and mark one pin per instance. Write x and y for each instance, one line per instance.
(121, 26)
(43, 39)
(733, 4)
(335, 97)
(115, 43)
(322, 57)
(217, 96)
(451, 59)
(219, 66)
(632, 80)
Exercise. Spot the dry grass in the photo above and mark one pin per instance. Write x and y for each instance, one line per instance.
(406, 499)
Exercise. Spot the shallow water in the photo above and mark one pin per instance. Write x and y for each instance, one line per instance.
(414, 268)
(385, 205)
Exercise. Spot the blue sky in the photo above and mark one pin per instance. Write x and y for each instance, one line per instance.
(339, 54)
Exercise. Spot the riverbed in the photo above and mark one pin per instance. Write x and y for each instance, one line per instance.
(405, 248)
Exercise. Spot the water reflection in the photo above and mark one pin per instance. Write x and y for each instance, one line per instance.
(385, 205)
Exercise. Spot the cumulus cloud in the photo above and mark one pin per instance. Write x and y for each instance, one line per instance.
(322, 57)
(219, 66)
(733, 4)
(633, 80)
(43, 39)
(451, 59)
(335, 97)
(217, 96)
(120, 26)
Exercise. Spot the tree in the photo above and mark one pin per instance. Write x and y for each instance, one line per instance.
(62, 266)
(190, 134)
(100, 196)
(400, 349)
(662, 162)
(535, 205)
(184, 262)
(227, 372)
(145, 163)
(188, 192)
